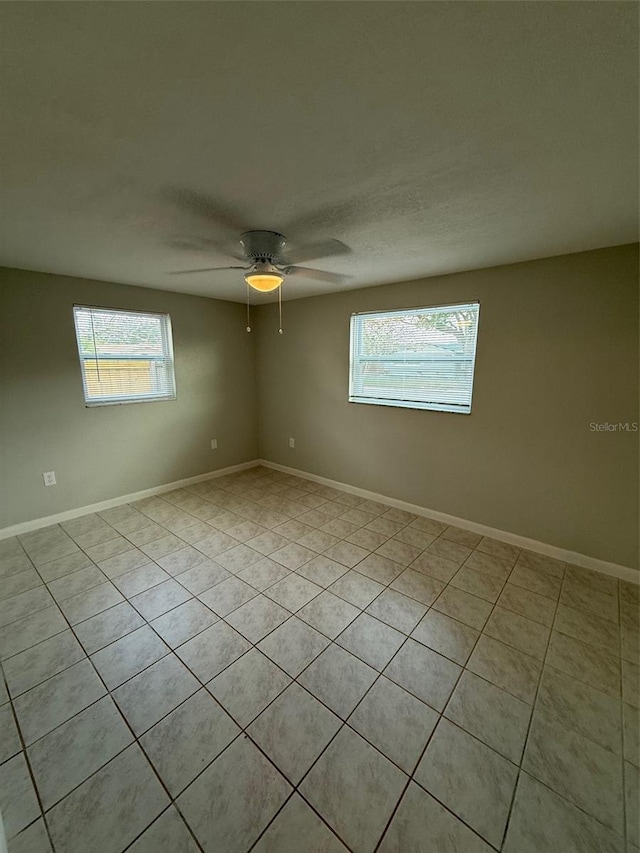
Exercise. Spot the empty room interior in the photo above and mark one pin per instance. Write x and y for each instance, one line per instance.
(319, 410)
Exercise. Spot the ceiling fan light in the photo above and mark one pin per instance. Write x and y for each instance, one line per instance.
(264, 281)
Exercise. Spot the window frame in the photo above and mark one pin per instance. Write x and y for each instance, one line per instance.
(355, 331)
(167, 332)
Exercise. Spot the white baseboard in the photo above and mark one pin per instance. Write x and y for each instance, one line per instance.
(37, 523)
(586, 562)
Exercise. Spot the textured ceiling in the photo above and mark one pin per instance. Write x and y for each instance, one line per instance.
(429, 137)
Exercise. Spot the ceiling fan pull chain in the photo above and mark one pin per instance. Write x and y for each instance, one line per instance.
(248, 318)
(280, 308)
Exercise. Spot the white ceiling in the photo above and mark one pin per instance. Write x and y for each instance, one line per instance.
(430, 137)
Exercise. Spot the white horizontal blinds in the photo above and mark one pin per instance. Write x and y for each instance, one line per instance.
(422, 358)
(125, 355)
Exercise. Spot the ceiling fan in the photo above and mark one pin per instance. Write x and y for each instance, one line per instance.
(266, 258)
(267, 263)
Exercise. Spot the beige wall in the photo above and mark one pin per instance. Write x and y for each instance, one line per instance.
(557, 350)
(107, 451)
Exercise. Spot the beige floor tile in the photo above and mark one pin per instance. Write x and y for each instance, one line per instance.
(328, 614)
(418, 818)
(86, 604)
(38, 663)
(293, 731)
(532, 560)
(400, 552)
(186, 741)
(528, 604)
(631, 726)
(160, 599)
(228, 595)
(423, 672)
(580, 707)
(477, 583)
(293, 592)
(469, 778)
(588, 628)
(453, 551)
(129, 797)
(246, 687)
(33, 839)
(463, 606)
(447, 636)
(238, 558)
(421, 587)
(357, 589)
(292, 556)
(10, 743)
(263, 574)
(293, 645)
(322, 570)
(518, 631)
(488, 564)
(128, 656)
(20, 582)
(395, 722)
(18, 802)
(104, 628)
(152, 694)
(43, 708)
(294, 822)
(397, 610)
(76, 582)
(338, 679)
(67, 756)
(168, 834)
(437, 567)
(536, 580)
(371, 640)
(257, 618)
(210, 651)
(26, 632)
(584, 662)
(379, 568)
(24, 604)
(221, 806)
(544, 822)
(499, 549)
(140, 579)
(351, 764)
(576, 768)
(506, 667)
(491, 714)
(183, 622)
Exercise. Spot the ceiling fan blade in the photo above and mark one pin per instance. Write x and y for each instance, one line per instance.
(320, 275)
(330, 217)
(310, 251)
(206, 269)
(205, 244)
(221, 215)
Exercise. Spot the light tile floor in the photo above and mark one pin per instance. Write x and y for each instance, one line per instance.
(262, 663)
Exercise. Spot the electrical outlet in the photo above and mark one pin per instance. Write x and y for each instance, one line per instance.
(292, 442)
(49, 478)
(214, 443)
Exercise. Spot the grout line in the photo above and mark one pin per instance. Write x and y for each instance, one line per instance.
(533, 709)
(622, 726)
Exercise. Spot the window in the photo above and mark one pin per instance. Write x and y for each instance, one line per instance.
(420, 359)
(126, 356)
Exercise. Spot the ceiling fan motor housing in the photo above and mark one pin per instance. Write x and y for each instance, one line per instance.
(263, 246)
